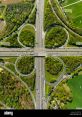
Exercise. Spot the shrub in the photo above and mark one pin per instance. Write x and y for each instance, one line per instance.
(53, 66)
(25, 64)
(55, 37)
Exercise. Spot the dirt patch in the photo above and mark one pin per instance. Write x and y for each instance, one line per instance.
(10, 1)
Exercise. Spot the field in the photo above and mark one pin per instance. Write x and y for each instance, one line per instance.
(75, 85)
(66, 2)
(74, 12)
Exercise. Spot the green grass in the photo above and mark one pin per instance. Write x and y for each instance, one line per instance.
(49, 17)
(12, 40)
(50, 77)
(78, 21)
(80, 73)
(48, 89)
(75, 17)
(30, 81)
(53, 68)
(67, 2)
(9, 59)
(11, 67)
(71, 62)
(73, 41)
(75, 85)
(32, 18)
(74, 8)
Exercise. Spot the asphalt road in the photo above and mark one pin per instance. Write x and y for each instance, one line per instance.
(40, 82)
(39, 23)
(37, 52)
(39, 59)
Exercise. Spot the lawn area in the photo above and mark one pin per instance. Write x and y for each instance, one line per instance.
(48, 90)
(50, 78)
(74, 15)
(67, 2)
(74, 8)
(75, 85)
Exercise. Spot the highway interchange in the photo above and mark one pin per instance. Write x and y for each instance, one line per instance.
(39, 52)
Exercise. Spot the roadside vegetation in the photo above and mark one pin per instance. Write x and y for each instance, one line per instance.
(48, 90)
(2, 107)
(75, 85)
(55, 37)
(14, 94)
(32, 18)
(49, 17)
(69, 16)
(53, 69)
(27, 36)
(71, 63)
(25, 64)
(11, 42)
(2, 11)
(64, 95)
(16, 14)
(60, 96)
(12, 16)
(74, 41)
(67, 20)
(9, 63)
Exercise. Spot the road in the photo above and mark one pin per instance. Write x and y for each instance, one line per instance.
(64, 52)
(40, 82)
(39, 24)
(40, 61)
(37, 52)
